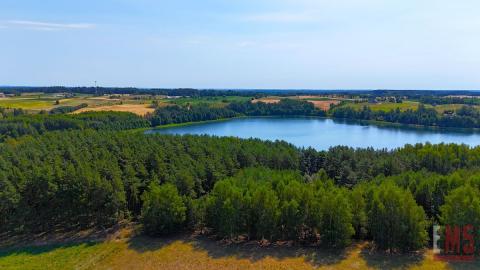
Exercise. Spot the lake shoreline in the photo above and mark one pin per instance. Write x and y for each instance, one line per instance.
(323, 133)
(340, 120)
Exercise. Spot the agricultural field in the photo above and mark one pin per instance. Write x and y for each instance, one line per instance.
(139, 109)
(196, 252)
(36, 102)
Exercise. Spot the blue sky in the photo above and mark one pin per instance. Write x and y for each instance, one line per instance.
(288, 44)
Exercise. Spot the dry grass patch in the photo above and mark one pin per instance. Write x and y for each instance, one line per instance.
(125, 251)
(199, 253)
(139, 109)
(266, 100)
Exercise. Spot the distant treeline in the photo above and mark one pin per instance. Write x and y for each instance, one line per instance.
(465, 117)
(132, 91)
(84, 178)
(417, 94)
(23, 124)
(411, 94)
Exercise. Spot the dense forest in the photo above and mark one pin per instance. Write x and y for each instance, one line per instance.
(234, 187)
(74, 171)
(465, 117)
(87, 177)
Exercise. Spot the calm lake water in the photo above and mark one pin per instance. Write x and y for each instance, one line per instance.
(322, 133)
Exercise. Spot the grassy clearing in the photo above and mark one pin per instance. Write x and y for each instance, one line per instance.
(188, 252)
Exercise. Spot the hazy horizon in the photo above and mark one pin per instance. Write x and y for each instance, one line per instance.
(236, 89)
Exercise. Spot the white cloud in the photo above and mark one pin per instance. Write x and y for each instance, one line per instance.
(48, 26)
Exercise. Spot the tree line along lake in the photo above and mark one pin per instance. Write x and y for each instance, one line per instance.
(323, 133)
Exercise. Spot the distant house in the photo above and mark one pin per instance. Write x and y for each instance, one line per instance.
(2, 95)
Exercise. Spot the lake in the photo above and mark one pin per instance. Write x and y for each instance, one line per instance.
(321, 133)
